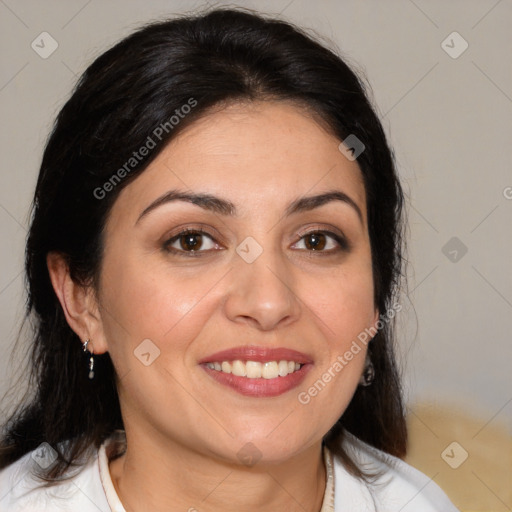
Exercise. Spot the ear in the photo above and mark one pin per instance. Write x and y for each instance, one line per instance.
(78, 303)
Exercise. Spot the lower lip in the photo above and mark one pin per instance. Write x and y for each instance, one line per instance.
(260, 387)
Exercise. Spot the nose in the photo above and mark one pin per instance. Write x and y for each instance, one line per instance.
(262, 293)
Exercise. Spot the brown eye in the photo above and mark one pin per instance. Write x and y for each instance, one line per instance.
(323, 242)
(315, 241)
(189, 242)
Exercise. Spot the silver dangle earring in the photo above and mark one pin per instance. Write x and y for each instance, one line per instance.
(368, 373)
(91, 360)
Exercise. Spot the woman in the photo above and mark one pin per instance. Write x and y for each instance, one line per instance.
(212, 263)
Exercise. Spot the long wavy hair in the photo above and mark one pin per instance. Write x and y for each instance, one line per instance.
(216, 57)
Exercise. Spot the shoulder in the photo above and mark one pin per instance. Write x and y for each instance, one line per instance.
(397, 486)
(22, 491)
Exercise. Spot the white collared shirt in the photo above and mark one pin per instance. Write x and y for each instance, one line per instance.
(400, 488)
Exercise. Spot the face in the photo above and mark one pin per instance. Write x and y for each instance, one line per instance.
(257, 277)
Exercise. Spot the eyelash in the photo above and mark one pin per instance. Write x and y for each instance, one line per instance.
(341, 241)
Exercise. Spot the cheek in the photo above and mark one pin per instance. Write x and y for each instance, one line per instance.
(345, 303)
(346, 307)
(164, 304)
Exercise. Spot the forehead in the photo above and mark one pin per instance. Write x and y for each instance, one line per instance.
(259, 155)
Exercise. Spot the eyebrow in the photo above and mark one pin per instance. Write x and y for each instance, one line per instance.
(224, 207)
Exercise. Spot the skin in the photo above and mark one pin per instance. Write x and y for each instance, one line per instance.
(184, 429)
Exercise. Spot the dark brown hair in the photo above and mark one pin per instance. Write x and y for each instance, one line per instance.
(224, 55)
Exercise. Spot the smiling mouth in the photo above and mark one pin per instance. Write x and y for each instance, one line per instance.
(255, 369)
(258, 371)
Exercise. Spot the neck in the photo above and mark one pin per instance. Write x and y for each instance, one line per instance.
(172, 478)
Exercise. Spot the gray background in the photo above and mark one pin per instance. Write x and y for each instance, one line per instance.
(449, 120)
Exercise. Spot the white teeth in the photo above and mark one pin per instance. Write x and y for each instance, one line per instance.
(255, 369)
(283, 368)
(238, 369)
(270, 370)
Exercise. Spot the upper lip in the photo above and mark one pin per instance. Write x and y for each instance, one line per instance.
(259, 354)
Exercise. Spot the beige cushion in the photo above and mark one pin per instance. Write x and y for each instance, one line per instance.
(480, 483)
